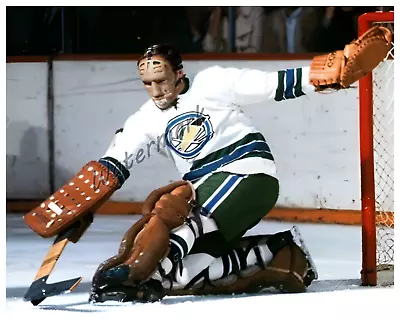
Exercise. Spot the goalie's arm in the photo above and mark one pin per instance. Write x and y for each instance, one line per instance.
(92, 186)
(122, 154)
(337, 70)
(249, 86)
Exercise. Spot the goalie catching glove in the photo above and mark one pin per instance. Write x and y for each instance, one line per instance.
(340, 69)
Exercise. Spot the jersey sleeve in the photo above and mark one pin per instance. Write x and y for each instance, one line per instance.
(249, 86)
(128, 147)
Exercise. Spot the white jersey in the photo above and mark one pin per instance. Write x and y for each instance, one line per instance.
(207, 131)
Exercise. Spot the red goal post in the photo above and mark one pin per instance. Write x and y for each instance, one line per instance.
(376, 112)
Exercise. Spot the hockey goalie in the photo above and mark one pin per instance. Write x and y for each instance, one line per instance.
(190, 239)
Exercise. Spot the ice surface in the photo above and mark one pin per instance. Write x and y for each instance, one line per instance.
(336, 251)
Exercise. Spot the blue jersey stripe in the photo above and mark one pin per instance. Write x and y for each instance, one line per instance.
(289, 84)
(235, 155)
(226, 188)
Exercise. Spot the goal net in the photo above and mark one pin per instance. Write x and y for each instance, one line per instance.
(377, 161)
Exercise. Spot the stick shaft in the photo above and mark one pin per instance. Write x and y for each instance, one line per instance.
(51, 258)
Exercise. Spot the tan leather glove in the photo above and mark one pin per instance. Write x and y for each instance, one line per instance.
(340, 69)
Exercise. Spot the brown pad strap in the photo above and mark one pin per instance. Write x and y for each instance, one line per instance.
(84, 193)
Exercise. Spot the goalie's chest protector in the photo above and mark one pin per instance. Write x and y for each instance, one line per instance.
(203, 135)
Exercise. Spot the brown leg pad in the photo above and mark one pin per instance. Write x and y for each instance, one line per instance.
(151, 245)
(288, 269)
(124, 251)
(285, 272)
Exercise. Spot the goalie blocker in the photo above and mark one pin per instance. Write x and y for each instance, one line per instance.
(83, 194)
(67, 214)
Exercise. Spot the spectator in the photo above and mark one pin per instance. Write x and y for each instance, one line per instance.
(249, 30)
(291, 30)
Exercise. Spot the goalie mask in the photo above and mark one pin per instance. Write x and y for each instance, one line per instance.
(162, 74)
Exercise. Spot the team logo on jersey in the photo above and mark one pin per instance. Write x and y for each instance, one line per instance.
(188, 133)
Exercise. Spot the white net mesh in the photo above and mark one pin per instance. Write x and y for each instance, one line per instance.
(383, 106)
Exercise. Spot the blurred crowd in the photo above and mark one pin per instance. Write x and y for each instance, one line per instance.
(119, 30)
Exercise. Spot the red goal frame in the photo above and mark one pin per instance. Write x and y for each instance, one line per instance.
(369, 263)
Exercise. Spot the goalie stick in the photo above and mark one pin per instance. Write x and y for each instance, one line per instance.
(40, 289)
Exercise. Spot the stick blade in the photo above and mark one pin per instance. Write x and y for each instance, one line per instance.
(40, 290)
(36, 302)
